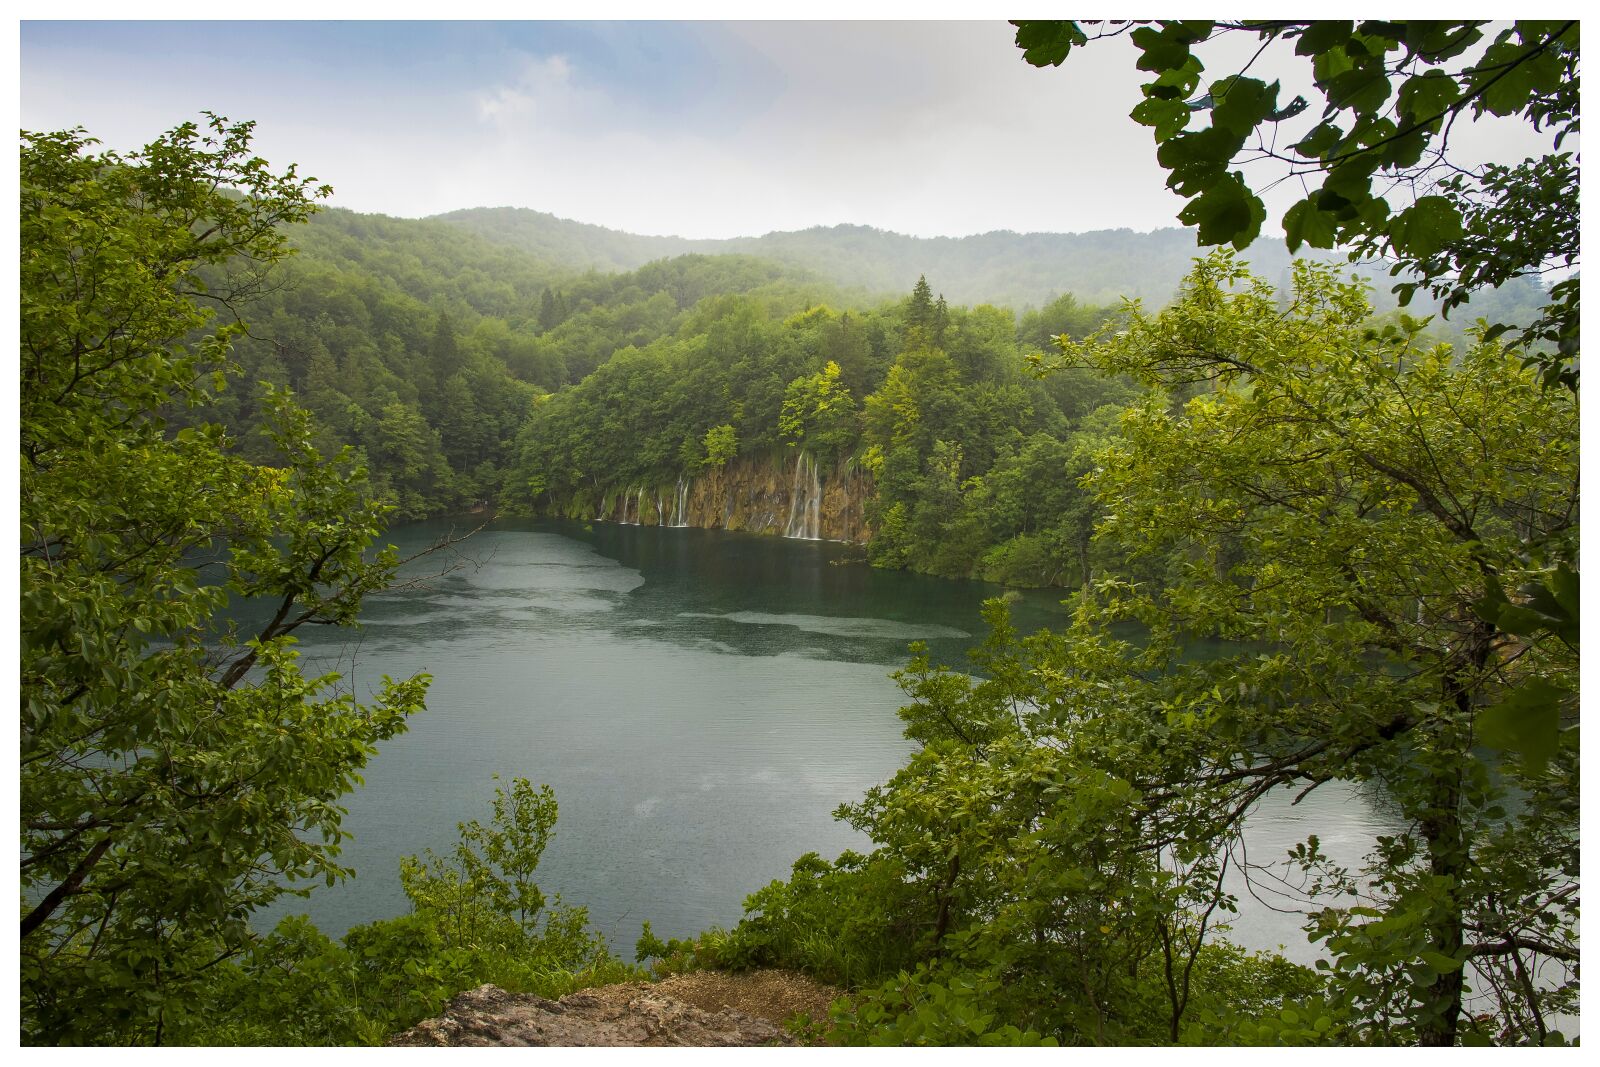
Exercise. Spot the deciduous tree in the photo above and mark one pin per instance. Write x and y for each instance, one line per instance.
(1376, 165)
(176, 773)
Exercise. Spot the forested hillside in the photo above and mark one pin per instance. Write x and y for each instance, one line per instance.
(969, 456)
(999, 267)
(470, 373)
(1018, 270)
(425, 346)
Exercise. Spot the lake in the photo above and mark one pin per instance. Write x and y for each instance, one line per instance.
(700, 701)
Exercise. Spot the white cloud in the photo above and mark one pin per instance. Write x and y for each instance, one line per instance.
(543, 90)
(924, 128)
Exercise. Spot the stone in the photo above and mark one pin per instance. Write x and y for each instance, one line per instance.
(619, 1015)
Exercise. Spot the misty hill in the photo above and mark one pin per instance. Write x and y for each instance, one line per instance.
(1016, 270)
(471, 272)
(1002, 267)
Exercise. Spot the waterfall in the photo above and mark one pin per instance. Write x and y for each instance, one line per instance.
(680, 510)
(794, 496)
(805, 501)
(814, 527)
(661, 516)
(638, 508)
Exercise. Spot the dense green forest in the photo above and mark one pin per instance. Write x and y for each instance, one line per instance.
(226, 393)
(424, 348)
(465, 374)
(936, 403)
(469, 373)
(471, 370)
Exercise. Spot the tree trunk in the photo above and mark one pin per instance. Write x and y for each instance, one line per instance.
(1446, 859)
(943, 923)
(1447, 862)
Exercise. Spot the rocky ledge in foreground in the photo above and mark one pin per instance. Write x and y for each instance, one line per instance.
(636, 1014)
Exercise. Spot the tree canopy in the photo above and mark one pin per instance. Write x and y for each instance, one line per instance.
(1329, 515)
(177, 770)
(1376, 167)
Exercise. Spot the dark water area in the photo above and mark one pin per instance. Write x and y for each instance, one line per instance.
(700, 701)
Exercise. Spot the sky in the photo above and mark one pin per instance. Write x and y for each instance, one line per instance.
(698, 129)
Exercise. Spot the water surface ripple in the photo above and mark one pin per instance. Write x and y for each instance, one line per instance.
(700, 702)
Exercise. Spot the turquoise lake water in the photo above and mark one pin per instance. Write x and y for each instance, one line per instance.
(700, 701)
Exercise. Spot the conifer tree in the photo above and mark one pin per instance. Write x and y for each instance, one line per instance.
(919, 312)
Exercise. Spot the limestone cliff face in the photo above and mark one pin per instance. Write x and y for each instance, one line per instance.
(791, 496)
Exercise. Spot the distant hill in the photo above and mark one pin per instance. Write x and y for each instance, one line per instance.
(424, 342)
(1004, 268)
(1016, 270)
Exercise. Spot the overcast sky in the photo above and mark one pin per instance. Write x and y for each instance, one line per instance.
(699, 129)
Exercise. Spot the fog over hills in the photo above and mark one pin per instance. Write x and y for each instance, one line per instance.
(1016, 270)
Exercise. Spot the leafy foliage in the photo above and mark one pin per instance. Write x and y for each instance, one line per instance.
(966, 447)
(721, 444)
(1376, 168)
(426, 344)
(175, 775)
(933, 1006)
(477, 917)
(1364, 564)
(489, 874)
(1055, 856)
(818, 413)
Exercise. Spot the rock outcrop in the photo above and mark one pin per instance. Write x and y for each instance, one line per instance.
(790, 495)
(627, 1015)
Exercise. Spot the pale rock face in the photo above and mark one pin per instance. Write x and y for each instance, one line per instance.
(790, 497)
(627, 1015)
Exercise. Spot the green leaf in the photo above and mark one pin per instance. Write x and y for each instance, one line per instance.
(1226, 212)
(1506, 77)
(1178, 83)
(1316, 144)
(1426, 227)
(1553, 605)
(1242, 104)
(1323, 36)
(1363, 90)
(1197, 159)
(1047, 43)
(1441, 963)
(1160, 49)
(1169, 117)
(1527, 721)
(1564, 587)
(1305, 224)
(1439, 41)
(1427, 95)
(1329, 64)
